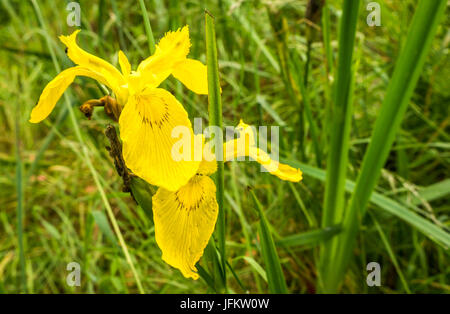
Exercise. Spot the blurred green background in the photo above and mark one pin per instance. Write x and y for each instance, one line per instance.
(47, 187)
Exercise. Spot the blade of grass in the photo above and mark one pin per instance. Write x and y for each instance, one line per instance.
(326, 30)
(406, 74)
(312, 237)
(102, 222)
(310, 218)
(275, 276)
(432, 192)
(148, 27)
(236, 277)
(20, 201)
(215, 119)
(255, 37)
(430, 230)
(340, 133)
(301, 83)
(86, 154)
(206, 276)
(258, 268)
(391, 254)
(119, 26)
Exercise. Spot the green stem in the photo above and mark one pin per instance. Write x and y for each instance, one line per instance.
(340, 133)
(215, 119)
(20, 200)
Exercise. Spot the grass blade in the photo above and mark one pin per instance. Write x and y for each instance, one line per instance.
(430, 230)
(20, 201)
(406, 74)
(432, 192)
(340, 132)
(275, 276)
(312, 237)
(391, 255)
(215, 119)
(148, 27)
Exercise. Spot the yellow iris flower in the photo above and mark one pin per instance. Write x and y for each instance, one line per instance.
(149, 113)
(185, 219)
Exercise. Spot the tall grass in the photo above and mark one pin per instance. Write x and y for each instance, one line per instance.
(148, 27)
(406, 74)
(341, 111)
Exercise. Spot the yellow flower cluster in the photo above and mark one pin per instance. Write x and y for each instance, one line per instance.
(185, 207)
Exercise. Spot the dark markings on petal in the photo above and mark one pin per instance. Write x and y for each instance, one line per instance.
(164, 118)
(190, 207)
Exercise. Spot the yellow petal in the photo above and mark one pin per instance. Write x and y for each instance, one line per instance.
(184, 222)
(176, 43)
(125, 65)
(171, 49)
(56, 87)
(193, 75)
(146, 126)
(282, 171)
(245, 146)
(240, 147)
(113, 77)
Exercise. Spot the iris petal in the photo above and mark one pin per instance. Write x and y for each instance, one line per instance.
(171, 49)
(56, 87)
(113, 77)
(245, 146)
(193, 75)
(146, 126)
(184, 222)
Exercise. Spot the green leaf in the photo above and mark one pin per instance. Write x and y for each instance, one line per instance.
(143, 192)
(102, 222)
(430, 230)
(275, 276)
(215, 119)
(312, 237)
(340, 132)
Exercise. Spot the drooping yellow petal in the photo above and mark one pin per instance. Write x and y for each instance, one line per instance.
(56, 87)
(184, 222)
(282, 171)
(193, 75)
(113, 77)
(147, 124)
(125, 65)
(245, 146)
(171, 49)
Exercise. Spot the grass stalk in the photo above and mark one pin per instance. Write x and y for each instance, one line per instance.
(20, 201)
(275, 276)
(215, 119)
(148, 27)
(340, 133)
(401, 86)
